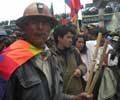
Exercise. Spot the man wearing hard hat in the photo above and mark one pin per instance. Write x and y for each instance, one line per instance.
(30, 68)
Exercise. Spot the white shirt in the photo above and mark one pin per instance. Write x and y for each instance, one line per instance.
(91, 45)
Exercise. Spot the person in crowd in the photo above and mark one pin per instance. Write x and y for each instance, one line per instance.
(113, 55)
(114, 40)
(5, 40)
(115, 67)
(68, 56)
(84, 30)
(32, 71)
(91, 45)
(88, 31)
(3, 35)
(2, 43)
(110, 87)
(80, 43)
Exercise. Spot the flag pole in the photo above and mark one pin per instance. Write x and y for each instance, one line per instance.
(77, 23)
(51, 8)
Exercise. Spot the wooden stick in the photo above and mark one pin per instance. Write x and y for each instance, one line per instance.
(93, 62)
(90, 90)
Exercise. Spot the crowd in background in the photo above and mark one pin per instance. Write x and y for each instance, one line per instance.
(84, 42)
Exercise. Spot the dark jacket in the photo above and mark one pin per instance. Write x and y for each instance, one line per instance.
(70, 60)
(29, 83)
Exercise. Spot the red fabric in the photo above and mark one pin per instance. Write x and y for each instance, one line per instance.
(64, 21)
(75, 6)
(73, 20)
(7, 66)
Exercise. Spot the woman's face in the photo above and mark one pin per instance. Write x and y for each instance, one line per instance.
(79, 43)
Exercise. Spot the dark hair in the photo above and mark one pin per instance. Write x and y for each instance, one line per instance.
(60, 31)
(84, 49)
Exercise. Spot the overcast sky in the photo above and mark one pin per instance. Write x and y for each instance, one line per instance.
(13, 9)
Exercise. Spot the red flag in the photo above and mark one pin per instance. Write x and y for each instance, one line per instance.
(74, 5)
(73, 20)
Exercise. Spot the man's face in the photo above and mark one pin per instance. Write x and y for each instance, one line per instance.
(37, 31)
(66, 40)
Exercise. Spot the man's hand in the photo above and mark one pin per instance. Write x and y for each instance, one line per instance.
(77, 73)
(84, 96)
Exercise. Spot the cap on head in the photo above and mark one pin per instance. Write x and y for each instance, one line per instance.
(115, 38)
(36, 10)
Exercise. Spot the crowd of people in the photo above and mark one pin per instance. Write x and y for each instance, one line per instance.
(47, 61)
